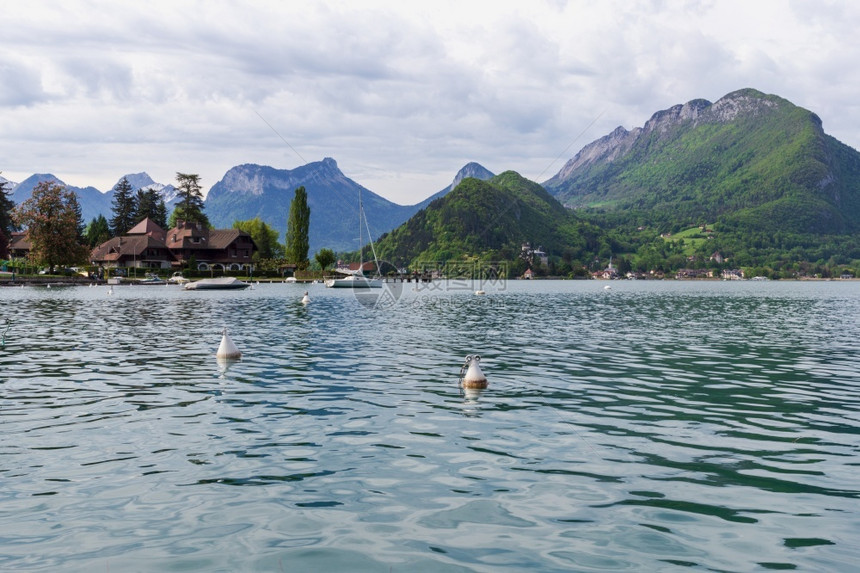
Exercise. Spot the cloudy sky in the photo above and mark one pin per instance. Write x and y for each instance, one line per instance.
(402, 94)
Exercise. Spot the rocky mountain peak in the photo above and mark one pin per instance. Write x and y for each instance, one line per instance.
(471, 169)
(137, 180)
(745, 102)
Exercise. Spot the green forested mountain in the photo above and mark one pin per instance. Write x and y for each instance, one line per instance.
(748, 162)
(489, 220)
(767, 188)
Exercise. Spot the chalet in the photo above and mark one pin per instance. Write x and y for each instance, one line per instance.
(142, 247)
(529, 274)
(19, 245)
(149, 246)
(218, 249)
(717, 257)
(733, 275)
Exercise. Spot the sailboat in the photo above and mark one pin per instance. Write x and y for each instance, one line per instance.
(356, 279)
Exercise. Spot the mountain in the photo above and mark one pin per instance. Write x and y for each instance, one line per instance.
(10, 185)
(471, 169)
(490, 218)
(145, 182)
(248, 191)
(92, 201)
(749, 161)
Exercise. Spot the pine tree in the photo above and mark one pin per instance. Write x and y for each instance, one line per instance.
(150, 205)
(7, 225)
(298, 225)
(190, 207)
(98, 231)
(52, 219)
(124, 208)
(160, 215)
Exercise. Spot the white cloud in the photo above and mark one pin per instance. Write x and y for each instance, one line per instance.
(401, 95)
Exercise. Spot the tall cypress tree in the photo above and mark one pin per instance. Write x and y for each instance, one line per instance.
(124, 208)
(298, 225)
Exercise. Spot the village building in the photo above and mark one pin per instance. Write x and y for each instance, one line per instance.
(531, 255)
(694, 274)
(19, 245)
(148, 246)
(733, 275)
(213, 249)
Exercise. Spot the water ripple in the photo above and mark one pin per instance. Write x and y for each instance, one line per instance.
(708, 425)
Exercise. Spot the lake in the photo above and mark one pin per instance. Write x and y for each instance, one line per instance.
(648, 426)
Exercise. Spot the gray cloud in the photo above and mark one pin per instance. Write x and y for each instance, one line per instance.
(401, 95)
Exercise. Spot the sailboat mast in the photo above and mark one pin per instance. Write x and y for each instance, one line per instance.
(360, 246)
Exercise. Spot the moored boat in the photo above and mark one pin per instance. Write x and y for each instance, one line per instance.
(220, 283)
(152, 280)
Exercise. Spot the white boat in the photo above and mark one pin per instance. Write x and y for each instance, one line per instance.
(178, 279)
(353, 279)
(152, 279)
(220, 283)
(356, 278)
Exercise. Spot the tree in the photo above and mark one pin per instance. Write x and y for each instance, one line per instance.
(298, 225)
(52, 219)
(7, 225)
(190, 207)
(160, 215)
(149, 204)
(123, 207)
(264, 237)
(324, 258)
(98, 231)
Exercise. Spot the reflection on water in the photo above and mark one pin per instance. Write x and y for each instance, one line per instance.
(709, 425)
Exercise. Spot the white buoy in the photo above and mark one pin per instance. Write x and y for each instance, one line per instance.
(473, 378)
(227, 349)
(607, 287)
(480, 292)
(306, 299)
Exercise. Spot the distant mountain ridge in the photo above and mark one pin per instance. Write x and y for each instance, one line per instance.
(250, 190)
(92, 201)
(750, 160)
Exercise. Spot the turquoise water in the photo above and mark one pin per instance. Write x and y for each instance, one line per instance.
(651, 426)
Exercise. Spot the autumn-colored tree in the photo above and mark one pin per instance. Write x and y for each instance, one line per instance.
(51, 217)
